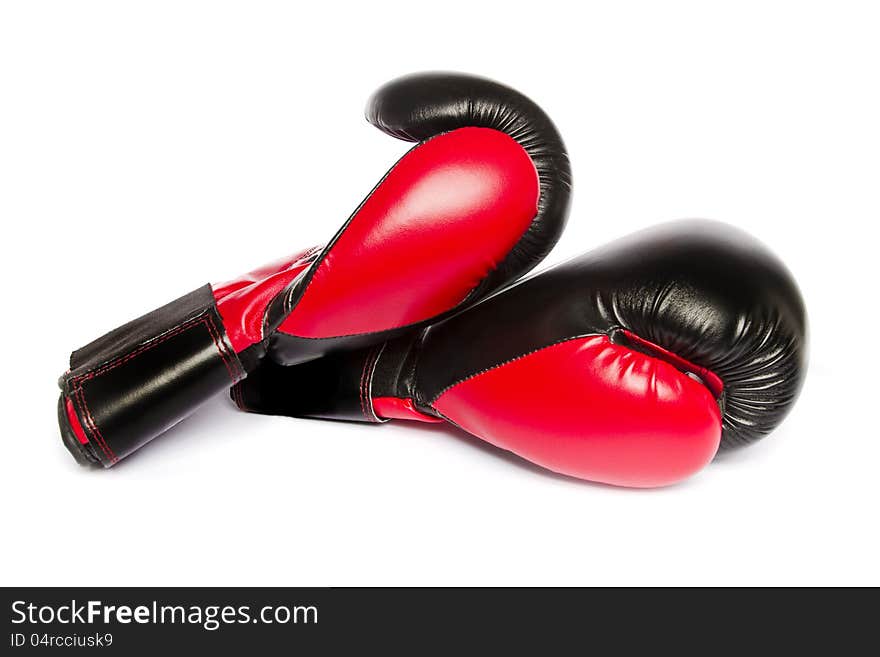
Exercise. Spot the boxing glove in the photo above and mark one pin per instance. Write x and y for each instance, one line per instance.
(479, 200)
(628, 365)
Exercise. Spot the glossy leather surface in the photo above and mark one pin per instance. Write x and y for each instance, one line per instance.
(242, 301)
(627, 365)
(448, 101)
(139, 380)
(603, 412)
(393, 408)
(452, 227)
(443, 218)
(703, 290)
(482, 199)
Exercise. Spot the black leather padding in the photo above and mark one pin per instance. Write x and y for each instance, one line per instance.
(138, 380)
(419, 106)
(706, 291)
(703, 290)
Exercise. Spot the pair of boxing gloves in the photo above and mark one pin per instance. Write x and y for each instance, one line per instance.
(629, 365)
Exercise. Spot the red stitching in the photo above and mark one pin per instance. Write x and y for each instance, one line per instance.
(364, 386)
(106, 367)
(361, 387)
(92, 427)
(238, 397)
(77, 382)
(222, 349)
(90, 421)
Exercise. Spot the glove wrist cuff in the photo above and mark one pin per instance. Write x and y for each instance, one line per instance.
(127, 387)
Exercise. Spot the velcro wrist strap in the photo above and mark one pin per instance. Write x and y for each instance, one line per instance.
(127, 387)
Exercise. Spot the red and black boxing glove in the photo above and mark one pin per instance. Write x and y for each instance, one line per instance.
(628, 365)
(478, 201)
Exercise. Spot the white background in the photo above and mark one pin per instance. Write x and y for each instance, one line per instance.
(148, 148)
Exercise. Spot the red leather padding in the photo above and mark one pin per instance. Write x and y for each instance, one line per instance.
(73, 421)
(594, 410)
(394, 408)
(242, 301)
(710, 379)
(443, 218)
